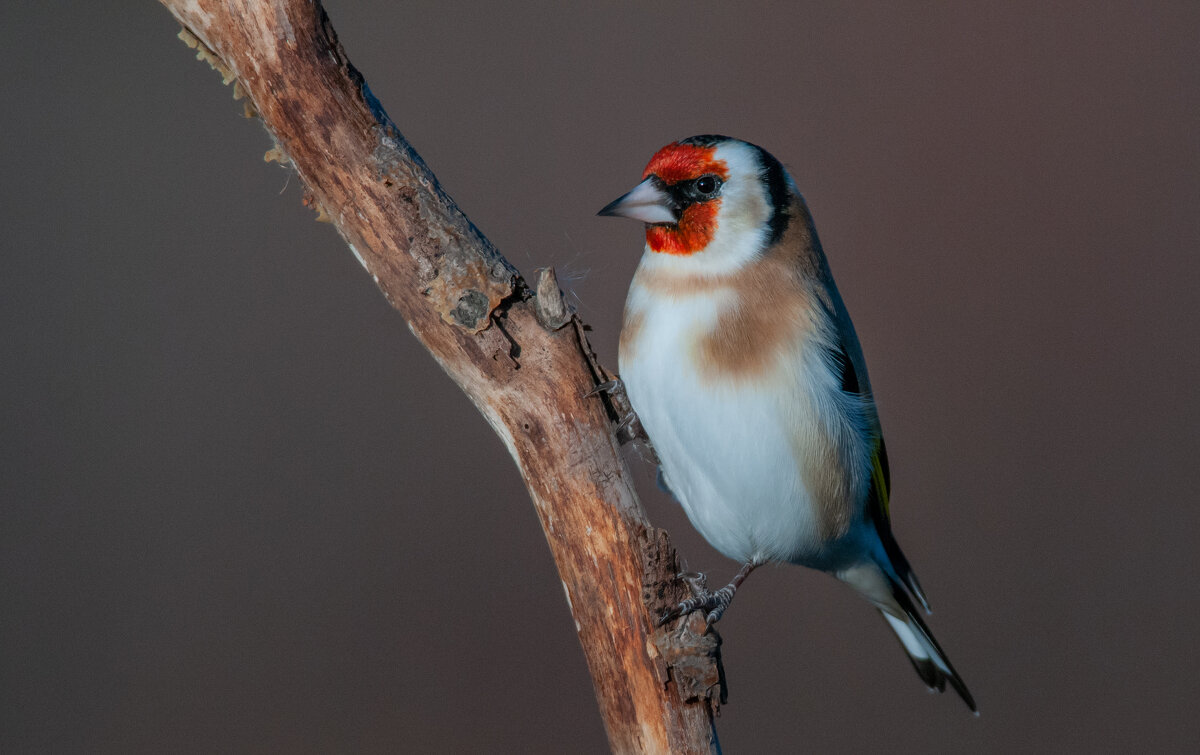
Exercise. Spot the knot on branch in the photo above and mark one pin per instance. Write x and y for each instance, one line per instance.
(467, 289)
(469, 279)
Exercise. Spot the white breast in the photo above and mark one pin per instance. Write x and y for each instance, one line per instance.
(730, 448)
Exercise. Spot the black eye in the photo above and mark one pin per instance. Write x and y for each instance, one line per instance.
(706, 184)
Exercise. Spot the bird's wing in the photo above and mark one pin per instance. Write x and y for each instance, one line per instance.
(845, 352)
(848, 355)
(881, 481)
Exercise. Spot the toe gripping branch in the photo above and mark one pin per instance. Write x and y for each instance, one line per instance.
(628, 427)
(688, 652)
(713, 603)
(608, 387)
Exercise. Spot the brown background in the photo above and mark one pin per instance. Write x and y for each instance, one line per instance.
(242, 511)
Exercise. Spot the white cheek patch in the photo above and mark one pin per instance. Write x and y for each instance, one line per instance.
(742, 220)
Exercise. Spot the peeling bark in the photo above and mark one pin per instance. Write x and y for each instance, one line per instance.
(520, 355)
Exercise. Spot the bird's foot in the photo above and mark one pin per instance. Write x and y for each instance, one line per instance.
(628, 427)
(713, 603)
(610, 386)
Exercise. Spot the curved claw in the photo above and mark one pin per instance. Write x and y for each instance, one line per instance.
(713, 603)
(610, 386)
(697, 582)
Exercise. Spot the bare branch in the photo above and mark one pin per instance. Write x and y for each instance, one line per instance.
(520, 355)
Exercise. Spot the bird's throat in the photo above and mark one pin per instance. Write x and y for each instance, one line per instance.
(695, 229)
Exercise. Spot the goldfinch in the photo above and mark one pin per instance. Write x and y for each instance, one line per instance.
(740, 360)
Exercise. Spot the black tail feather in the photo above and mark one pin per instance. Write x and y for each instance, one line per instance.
(934, 676)
(900, 564)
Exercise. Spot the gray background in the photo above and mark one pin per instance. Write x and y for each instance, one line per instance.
(242, 511)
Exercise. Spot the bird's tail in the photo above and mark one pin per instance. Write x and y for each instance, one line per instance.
(889, 595)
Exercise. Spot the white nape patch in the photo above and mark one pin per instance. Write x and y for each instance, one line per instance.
(360, 259)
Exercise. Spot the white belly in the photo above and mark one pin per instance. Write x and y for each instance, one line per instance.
(729, 449)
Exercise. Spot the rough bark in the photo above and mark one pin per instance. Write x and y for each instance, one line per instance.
(520, 355)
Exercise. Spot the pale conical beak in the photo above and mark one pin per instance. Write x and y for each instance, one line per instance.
(648, 202)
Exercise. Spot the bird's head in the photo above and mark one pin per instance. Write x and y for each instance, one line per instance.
(711, 197)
